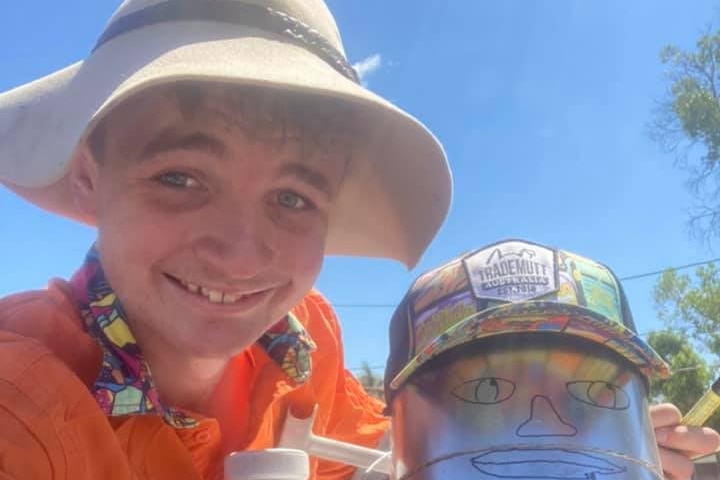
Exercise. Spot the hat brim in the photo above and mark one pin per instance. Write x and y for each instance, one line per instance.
(541, 317)
(396, 195)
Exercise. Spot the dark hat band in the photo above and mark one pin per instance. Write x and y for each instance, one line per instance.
(235, 13)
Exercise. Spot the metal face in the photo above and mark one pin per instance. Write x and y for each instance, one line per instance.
(526, 411)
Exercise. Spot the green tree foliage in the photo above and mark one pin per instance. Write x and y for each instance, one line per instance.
(687, 123)
(372, 383)
(689, 307)
(691, 373)
(692, 306)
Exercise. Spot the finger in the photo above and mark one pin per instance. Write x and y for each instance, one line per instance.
(664, 415)
(676, 465)
(692, 440)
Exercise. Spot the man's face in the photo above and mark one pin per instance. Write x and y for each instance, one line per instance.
(212, 211)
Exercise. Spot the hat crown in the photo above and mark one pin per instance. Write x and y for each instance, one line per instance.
(510, 272)
(313, 13)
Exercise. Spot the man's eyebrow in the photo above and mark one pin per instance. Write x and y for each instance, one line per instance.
(309, 176)
(172, 139)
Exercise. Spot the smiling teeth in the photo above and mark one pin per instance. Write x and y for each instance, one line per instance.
(229, 298)
(212, 295)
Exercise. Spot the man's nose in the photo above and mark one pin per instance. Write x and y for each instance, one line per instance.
(237, 244)
(545, 421)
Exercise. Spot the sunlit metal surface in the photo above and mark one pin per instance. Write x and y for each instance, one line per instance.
(526, 410)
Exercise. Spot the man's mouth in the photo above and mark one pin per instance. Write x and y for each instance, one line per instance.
(544, 463)
(217, 296)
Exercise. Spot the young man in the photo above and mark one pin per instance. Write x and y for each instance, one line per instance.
(221, 149)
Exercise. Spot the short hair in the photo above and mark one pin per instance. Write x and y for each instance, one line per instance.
(265, 114)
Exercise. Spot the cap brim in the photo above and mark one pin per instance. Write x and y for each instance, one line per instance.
(541, 317)
(394, 199)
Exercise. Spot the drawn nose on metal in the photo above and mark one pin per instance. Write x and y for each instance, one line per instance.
(545, 421)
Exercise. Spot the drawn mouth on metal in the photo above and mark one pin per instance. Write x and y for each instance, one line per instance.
(545, 464)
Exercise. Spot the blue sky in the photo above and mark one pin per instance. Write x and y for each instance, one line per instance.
(542, 107)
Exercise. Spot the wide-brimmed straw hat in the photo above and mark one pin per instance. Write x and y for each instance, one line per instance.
(399, 189)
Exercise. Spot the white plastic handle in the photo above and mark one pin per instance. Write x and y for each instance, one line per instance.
(297, 433)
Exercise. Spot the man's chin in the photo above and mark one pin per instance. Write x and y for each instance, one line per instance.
(218, 340)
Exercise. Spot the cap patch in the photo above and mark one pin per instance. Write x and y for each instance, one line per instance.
(512, 271)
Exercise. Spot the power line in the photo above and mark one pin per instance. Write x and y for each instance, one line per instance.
(624, 279)
(658, 272)
(371, 368)
(688, 369)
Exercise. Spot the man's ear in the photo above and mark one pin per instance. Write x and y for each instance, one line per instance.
(84, 177)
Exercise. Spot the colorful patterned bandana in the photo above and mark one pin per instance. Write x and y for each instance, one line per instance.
(124, 385)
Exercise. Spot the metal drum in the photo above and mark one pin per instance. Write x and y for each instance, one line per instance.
(525, 406)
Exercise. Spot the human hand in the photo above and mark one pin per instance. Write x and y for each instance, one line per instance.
(679, 444)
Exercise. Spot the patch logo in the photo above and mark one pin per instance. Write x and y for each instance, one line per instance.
(512, 271)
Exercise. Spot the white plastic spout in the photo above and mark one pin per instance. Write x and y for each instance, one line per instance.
(297, 433)
(271, 464)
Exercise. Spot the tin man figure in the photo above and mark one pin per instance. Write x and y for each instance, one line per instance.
(519, 361)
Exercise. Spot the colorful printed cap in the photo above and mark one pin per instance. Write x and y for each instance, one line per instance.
(513, 286)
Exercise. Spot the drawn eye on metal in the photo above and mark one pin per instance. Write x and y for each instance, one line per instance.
(484, 391)
(599, 394)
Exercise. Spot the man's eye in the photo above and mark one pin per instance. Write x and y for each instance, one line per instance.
(292, 200)
(484, 391)
(177, 180)
(599, 394)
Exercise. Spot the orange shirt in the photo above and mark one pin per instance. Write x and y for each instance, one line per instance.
(51, 427)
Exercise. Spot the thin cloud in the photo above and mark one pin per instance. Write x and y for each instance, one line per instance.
(368, 66)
